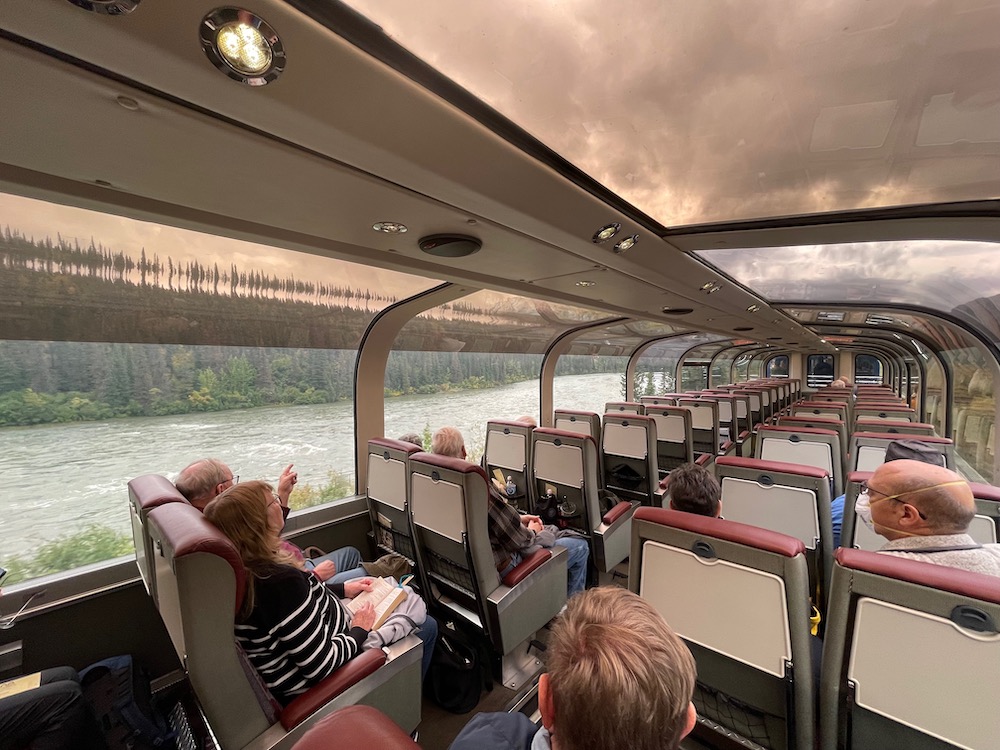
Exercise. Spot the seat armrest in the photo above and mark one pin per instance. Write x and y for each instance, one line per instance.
(526, 566)
(322, 693)
(615, 513)
(726, 447)
(703, 458)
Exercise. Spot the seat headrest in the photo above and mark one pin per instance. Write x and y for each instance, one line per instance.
(955, 580)
(782, 466)
(356, 728)
(801, 430)
(730, 531)
(396, 445)
(152, 490)
(185, 531)
(549, 434)
(449, 463)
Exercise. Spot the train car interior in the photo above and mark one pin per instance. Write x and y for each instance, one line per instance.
(603, 241)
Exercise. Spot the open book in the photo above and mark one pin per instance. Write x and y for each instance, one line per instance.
(385, 596)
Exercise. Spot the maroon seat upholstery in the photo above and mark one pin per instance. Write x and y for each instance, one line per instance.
(356, 728)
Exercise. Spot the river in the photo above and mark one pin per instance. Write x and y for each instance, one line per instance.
(59, 478)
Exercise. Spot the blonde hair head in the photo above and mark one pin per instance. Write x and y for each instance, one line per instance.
(241, 514)
(448, 441)
(619, 676)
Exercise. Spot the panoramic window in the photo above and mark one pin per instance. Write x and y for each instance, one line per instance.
(974, 411)
(905, 113)
(137, 348)
(867, 370)
(819, 370)
(777, 367)
(478, 358)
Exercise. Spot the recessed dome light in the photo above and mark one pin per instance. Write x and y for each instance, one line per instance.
(107, 7)
(242, 45)
(389, 227)
(626, 244)
(586, 283)
(606, 232)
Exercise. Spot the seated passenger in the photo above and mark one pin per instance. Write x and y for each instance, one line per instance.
(203, 480)
(512, 536)
(618, 679)
(897, 449)
(839, 383)
(694, 489)
(52, 715)
(925, 511)
(292, 627)
(412, 437)
(528, 420)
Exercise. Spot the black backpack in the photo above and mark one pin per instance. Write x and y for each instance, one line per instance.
(120, 695)
(458, 673)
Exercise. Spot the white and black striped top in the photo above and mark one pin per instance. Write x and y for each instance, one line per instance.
(298, 633)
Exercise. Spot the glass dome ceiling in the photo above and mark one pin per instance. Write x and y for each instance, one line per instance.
(722, 110)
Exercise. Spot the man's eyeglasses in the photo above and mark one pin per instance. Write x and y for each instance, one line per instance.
(867, 490)
(235, 479)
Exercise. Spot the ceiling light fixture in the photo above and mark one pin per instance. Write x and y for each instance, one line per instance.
(710, 287)
(585, 283)
(389, 227)
(242, 45)
(677, 310)
(626, 244)
(753, 308)
(107, 7)
(743, 328)
(450, 245)
(605, 233)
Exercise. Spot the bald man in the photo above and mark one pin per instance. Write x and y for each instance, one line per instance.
(925, 511)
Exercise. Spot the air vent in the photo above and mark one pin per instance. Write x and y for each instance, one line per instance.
(835, 317)
(879, 320)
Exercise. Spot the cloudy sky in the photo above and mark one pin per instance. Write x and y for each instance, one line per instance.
(716, 110)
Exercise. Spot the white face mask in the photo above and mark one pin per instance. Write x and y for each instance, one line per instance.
(864, 510)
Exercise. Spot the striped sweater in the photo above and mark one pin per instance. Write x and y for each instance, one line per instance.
(298, 633)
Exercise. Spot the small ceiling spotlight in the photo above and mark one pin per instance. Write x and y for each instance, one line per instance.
(710, 287)
(107, 7)
(450, 245)
(586, 283)
(605, 233)
(753, 308)
(242, 45)
(389, 227)
(626, 244)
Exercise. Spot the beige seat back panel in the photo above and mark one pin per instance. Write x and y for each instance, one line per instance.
(387, 481)
(620, 440)
(438, 506)
(788, 510)
(562, 464)
(506, 449)
(899, 675)
(983, 530)
(701, 419)
(579, 426)
(804, 452)
(669, 428)
(869, 457)
(734, 610)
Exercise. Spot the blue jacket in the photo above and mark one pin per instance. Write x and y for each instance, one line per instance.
(496, 731)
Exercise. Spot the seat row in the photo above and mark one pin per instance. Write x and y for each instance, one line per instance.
(910, 656)
(197, 582)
